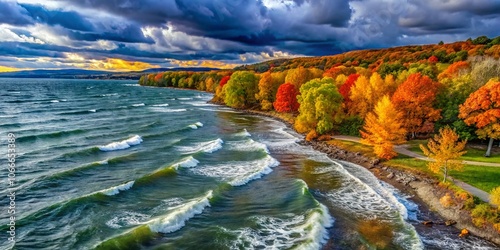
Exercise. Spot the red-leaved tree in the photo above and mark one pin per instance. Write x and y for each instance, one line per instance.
(224, 80)
(345, 89)
(286, 98)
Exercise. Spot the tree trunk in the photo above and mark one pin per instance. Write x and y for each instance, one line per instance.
(445, 172)
(490, 145)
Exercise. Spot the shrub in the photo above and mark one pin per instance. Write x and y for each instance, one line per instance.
(446, 200)
(495, 196)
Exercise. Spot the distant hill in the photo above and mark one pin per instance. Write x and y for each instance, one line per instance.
(91, 74)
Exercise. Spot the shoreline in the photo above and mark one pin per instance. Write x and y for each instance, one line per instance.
(422, 189)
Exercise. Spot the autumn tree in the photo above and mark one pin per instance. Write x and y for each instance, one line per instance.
(320, 106)
(366, 92)
(415, 98)
(224, 80)
(383, 129)
(345, 89)
(268, 86)
(286, 98)
(483, 69)
(240, 90)
(298, 76)
(454, 70)
(482, 109)
(444, 149)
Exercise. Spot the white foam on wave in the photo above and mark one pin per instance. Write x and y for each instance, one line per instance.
(160, 105)
(243, 133)
(196, 125)
(167, 110)
(92, 110)
(293, 231)
(127, 218)
(184, 98)
(178, 217)
(188, 162)
(207, 147)
(363, 195)
(112, 94)
(239, 173)
(132, 141)
(103, 162)
(54, 101)
(198, 103)
(139, 105)
(248, 145)
(117, 189)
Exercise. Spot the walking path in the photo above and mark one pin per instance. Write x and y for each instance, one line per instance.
(484, 196)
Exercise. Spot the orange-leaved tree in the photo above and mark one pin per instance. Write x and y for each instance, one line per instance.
(268, 86)
(482, 109)
(286, 98)
(444, 149)
(383, 129)
(415, 98)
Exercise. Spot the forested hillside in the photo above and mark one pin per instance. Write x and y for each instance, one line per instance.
(402, 93)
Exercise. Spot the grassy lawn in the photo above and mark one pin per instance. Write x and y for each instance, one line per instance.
(484, 178)
(473, 153)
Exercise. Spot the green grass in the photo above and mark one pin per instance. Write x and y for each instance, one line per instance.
(484, 178)
(473, 154)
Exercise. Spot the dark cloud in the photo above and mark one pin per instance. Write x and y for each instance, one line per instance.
(129, 34)
(67, 19)
(334, 13)
(12, 13)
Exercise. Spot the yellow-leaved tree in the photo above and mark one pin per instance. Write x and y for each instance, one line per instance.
(383, 129)
(367, 92)
(444, 149)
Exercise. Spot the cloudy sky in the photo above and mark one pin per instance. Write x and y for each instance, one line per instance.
(124, 35)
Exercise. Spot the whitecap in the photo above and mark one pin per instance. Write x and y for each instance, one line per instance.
(92, 110)
(160, 105)
(248, 145)
(139, 105)
(116, 190)
(132, 141)
(126, 219)
(207, 147)
(239, 173)
(178, 217)
(187, 162)
(54, 101)
(243, 133)
(166, 110)
(184, 98)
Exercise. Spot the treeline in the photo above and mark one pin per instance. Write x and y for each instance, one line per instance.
(386, 104)
(390, 58)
